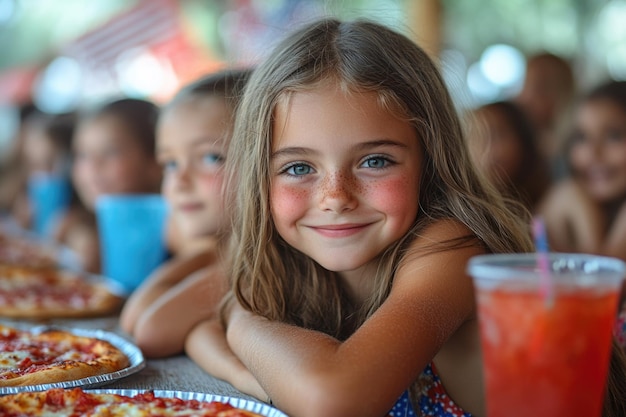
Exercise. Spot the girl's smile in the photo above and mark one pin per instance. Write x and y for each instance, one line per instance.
(340, 230)
(345, 176)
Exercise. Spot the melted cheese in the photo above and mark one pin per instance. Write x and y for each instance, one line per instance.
(10, 360)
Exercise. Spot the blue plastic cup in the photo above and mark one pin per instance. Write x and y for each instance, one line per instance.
(49, 196)
(131, 229)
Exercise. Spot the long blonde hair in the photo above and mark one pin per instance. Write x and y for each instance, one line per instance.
(281, 283)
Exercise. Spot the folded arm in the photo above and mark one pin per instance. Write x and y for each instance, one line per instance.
(307, 373)
(206, 345)
(158, 283)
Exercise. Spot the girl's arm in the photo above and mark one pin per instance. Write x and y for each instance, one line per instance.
(206, 345)
(574, 223)
(158, 283)
(307, 373)
(162, 328)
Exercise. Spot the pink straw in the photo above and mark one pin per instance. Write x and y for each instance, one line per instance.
(541, 245)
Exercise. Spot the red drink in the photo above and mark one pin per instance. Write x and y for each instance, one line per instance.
(545, 357)
(545, 361)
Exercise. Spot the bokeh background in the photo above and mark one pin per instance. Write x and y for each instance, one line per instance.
(66, 54)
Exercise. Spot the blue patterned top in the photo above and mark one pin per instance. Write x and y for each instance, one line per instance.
(433, 401)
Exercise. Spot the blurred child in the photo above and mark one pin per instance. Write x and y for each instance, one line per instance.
(47, 150)
(193, 134)
(587, 212)
(547, 96)
(356, 209)
(503, 145)
(113, 154)
(14, 173)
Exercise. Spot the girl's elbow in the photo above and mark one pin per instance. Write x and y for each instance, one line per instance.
(324, 399)
(155, 341)
(128, 319)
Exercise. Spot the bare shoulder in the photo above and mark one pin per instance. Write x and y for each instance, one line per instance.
(434, 269)
(443, 238)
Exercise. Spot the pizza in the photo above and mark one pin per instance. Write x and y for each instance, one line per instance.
(15, 250)
(54, 355)
(42, 293)
(76, 402)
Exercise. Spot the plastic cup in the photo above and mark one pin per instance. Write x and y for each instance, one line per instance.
(49, 196)
(546, 357)
(131, 229)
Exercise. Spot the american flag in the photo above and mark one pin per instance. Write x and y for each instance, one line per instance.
(150, 22)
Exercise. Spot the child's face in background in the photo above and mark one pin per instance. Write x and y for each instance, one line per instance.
(598, 153)
(40, 153)
(495, 146)
(192, 142)
(345, 176)
(109, 160)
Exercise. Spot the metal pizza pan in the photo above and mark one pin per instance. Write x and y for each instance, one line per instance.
(249, 405)
(135, 358)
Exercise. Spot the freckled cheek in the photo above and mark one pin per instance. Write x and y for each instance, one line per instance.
(288, 203)
(210, 184)
(398, 197)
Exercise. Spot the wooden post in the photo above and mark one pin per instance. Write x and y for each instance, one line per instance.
(425, 21)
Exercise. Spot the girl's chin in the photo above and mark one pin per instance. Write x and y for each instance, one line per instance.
(606, 196)
(195, 231)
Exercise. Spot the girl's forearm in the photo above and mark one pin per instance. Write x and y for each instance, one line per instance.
(206, 345)
(302, 370)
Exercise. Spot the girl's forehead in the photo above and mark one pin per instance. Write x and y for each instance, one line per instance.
(386, 99)
(604, 107)
(103, 130)
(102, 121)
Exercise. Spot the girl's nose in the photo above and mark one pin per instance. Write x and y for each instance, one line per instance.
(338, 193)
(183, 175)
(595, 149)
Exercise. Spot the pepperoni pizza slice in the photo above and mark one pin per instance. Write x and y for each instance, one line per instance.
(54, 355)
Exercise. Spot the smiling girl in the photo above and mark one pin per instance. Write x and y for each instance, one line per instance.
(193, 136)
(587, 213)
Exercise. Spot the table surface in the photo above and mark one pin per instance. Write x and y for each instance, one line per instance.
(177, 373)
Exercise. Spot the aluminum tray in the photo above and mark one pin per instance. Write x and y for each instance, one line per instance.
(135, 358)
(254, 406)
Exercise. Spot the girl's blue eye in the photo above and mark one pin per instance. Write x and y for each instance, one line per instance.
(376, 162)
(170, 166)
(298, 169)
(615, 135)
(112, 152)
(578, 137)
(212, 159)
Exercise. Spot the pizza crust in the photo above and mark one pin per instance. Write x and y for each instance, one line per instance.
(75, 401)
(105, 358)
